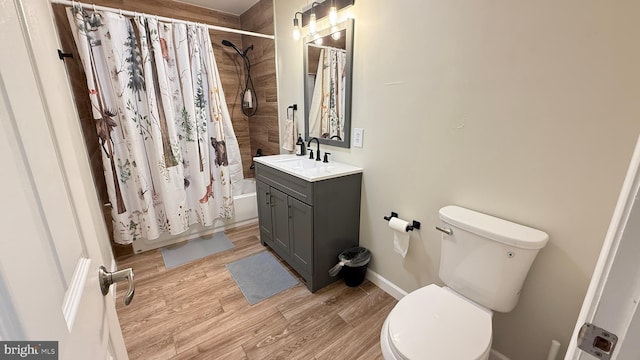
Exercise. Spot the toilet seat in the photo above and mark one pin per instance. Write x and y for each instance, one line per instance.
(434, 323)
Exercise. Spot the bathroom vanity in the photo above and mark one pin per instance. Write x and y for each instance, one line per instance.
(309, 212)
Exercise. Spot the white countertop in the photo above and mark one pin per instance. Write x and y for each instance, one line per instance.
(307, 169)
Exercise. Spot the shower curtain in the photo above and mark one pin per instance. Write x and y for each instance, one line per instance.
(326, 114)
(168, 148)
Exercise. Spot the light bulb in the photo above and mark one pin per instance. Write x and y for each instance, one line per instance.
(335, 35)
(333, 15)
(296, 29)
(312, 23)
(317, 40)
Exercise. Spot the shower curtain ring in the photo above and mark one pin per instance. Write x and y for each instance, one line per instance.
(94, 8)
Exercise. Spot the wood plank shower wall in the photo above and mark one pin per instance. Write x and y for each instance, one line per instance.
(264, 124)
(259, 19)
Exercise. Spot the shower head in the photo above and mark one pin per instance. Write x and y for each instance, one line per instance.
(242, 53)
(230, 44)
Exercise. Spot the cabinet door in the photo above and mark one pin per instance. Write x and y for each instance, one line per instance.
(280, 213)
(301, 231)
(264, 212)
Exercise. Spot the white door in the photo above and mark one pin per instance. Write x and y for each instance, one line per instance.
(612, 299)
(52, 236)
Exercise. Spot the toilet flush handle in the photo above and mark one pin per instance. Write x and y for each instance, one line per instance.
(446, 231)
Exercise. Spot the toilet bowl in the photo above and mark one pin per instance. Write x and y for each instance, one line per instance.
(436, 323)
(484, 261)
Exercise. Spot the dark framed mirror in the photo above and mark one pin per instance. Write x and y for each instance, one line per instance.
(328, 62)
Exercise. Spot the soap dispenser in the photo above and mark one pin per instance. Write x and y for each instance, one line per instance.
(300, 148)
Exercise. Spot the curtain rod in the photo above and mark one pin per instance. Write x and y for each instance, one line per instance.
(162, 18)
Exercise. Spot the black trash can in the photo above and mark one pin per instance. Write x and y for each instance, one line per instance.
(352, 265)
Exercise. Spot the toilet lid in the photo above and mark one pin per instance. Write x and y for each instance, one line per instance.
(434, 323)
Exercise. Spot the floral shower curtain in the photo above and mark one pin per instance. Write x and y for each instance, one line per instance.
(326, 114)
(163, 123)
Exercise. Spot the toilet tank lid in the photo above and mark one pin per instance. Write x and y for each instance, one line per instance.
(494, 228)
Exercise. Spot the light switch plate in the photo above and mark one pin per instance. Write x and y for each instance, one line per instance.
(358, 133)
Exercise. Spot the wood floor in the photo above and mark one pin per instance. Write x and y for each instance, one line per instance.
(196, 311)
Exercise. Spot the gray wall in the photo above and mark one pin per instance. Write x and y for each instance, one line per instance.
(524, 110)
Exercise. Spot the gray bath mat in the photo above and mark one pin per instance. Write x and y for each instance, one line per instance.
(260, 276)
(188, 251)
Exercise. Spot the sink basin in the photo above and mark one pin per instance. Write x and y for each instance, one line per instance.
(300, 163)
(307, 169)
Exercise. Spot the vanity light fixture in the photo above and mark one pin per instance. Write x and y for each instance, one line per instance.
(296, 26)
(319, 10)
(333, 13)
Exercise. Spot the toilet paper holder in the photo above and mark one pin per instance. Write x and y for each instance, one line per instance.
(414, 225)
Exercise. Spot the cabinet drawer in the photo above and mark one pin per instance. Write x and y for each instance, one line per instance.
(296, 187)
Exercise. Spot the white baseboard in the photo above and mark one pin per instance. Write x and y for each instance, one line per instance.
(386, 285)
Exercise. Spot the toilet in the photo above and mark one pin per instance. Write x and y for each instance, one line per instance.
(484, 262)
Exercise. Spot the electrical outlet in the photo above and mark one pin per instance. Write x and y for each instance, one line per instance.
(358, 133)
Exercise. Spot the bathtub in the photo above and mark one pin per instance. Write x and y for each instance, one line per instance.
(246, 212)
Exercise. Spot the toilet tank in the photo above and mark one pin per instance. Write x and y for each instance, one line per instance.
(486, 259)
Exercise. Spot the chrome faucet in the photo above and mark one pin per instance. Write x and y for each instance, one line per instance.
(317, 149)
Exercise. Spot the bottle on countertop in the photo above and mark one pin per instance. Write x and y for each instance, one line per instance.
(300, 148)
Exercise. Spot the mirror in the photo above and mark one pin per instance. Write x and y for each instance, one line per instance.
(328, 59)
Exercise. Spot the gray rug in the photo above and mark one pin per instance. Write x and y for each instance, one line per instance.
(260, 276)
(188, 251)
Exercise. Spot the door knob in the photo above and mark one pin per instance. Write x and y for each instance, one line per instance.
(107, 278)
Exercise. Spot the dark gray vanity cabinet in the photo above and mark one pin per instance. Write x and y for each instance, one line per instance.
(308, 223)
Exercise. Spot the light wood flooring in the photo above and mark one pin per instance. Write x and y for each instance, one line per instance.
(196, 311)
